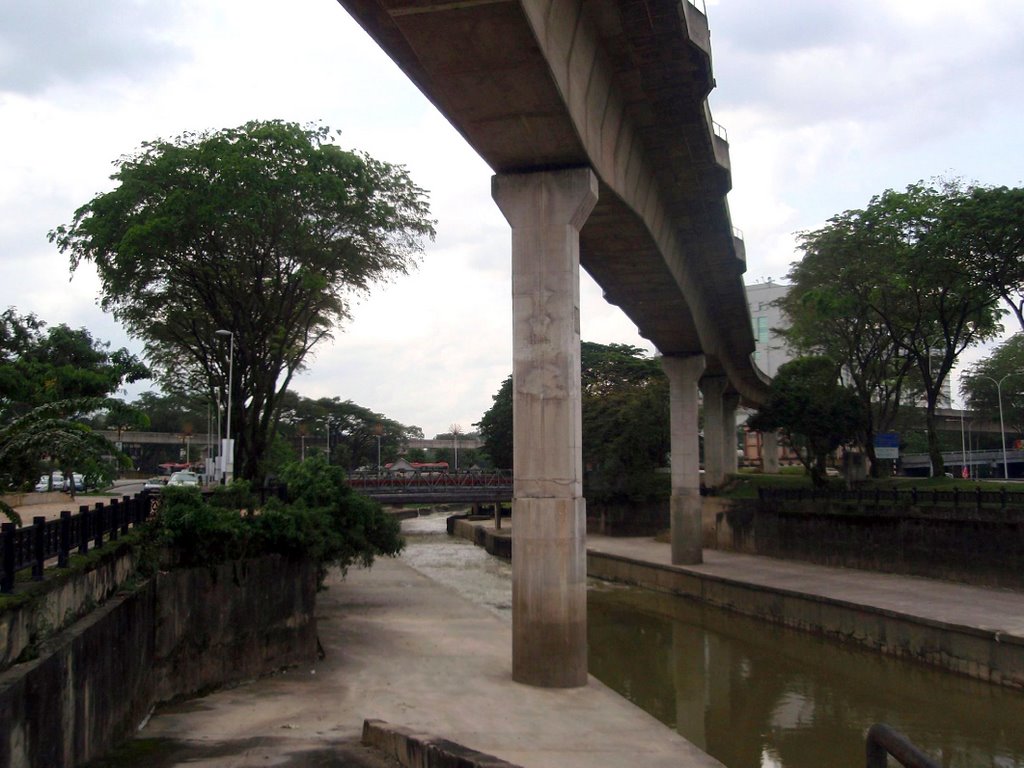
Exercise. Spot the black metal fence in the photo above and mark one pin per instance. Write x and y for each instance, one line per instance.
(957, 498)
(31, 546)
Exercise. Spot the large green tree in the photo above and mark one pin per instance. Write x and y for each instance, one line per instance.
(914, 278)
(264, 231)
(496, 427)
(40, 365)
(985, 229)
(830, 310)
(814, 411)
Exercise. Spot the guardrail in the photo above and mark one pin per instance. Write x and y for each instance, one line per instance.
(958, 499)
(439, 480)
(31, 546)
(883, 740)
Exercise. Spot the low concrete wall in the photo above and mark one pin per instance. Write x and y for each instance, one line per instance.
(984, 548)
(982, 654)
(419, 750)
(46, 608)
(497, 543)
(611, 519)
(184, 631)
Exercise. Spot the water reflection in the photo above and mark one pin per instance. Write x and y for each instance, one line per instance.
(751, 694)
(755, 695)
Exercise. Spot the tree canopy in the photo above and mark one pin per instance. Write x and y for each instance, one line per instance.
(812, 408)
(1006, 365)
(897, 292)
(40, 365)
(265, 231)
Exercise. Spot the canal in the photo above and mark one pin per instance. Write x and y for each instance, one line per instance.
(752, 694)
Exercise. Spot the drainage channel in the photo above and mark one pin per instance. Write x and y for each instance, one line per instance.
(751, 694)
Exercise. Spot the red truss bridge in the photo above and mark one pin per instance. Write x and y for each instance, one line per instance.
(436, 488)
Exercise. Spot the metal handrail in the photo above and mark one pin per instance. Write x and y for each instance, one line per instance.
(700, 6)
(720, 131)
(32, 546)
(737, 233)
(883, 740)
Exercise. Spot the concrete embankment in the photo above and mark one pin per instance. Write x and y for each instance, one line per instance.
(970, 630)
(404, 649)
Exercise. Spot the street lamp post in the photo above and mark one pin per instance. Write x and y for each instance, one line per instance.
(228, 451)
(1002, 429)
(456, 429)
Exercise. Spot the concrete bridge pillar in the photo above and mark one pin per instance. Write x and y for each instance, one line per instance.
(730, 458)
(683, 374)
(549, 598)
(720, 456)
(770, 453)
(713, 388)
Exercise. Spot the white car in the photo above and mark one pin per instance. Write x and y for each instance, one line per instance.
(154, 484)
(44, 483)
(190, 479)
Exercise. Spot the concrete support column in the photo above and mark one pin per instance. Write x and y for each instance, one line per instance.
(549, 597)
(770, 453)
(713, 388)
(730, 459)
(685, 505)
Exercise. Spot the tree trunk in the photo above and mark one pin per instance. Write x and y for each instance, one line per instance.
(934, 451)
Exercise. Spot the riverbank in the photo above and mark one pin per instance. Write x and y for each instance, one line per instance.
(402, 648)
(974, 631)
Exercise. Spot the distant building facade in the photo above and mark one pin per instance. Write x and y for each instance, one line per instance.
(770, 351)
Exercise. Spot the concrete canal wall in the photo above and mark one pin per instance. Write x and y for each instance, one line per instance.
(983, 654)
(990, 655)
(981, 547)
(79, 691)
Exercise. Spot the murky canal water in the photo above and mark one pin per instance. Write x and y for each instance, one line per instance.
(751, 694)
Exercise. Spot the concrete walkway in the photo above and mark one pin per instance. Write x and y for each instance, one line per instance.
(407, 650)
(929, 600)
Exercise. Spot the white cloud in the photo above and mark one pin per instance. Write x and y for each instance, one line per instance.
(826, 104)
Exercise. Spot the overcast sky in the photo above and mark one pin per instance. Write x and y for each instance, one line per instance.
(826, 103)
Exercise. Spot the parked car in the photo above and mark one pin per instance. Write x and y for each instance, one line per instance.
(44, 483)
(154, 484)
(184, 478)
(77, 479)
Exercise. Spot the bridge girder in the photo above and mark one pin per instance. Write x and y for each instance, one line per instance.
(618, 86)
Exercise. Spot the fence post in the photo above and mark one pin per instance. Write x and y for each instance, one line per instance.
(977, 496)
(83, 529)
(956, 499)
(115, 518)
(7, 532)
(99, 524)
(38, 546)
(64, 540)
(125, 515)
(913, 496)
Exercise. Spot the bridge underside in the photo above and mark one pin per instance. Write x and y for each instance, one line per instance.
(619, 87)
(593, 116)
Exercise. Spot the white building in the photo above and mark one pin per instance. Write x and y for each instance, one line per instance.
(771, 350)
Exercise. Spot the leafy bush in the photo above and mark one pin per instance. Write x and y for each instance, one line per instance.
(321, 519)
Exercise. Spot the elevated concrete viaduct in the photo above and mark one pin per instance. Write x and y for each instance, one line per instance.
(593, 116)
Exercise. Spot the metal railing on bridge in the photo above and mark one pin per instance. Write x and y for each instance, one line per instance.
(437, 488)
